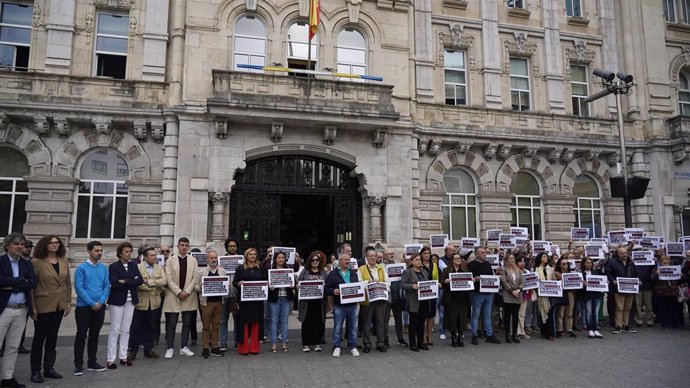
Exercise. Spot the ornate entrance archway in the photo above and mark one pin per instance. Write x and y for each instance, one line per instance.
(294, 200)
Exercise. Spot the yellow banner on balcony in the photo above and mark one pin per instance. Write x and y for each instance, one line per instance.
(314, 11)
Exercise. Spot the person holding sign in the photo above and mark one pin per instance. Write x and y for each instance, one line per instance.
(279, 305)
(230, 305)
(620, 266)
(211, 308)
(396, 305)
(455, 302)
(432, 272)
(564, 320)
(545, 317)
(418, 309)
(145, 312)
(343, 312)
(591, 300)
(512, 282)
(250, 312)
(482, 302)
(312, 312)
(666, 296)
(373, 311)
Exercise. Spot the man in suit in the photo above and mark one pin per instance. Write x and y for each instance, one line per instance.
(180, 297)
(145, 312)
(17, 278)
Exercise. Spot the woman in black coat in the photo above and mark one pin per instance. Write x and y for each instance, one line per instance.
(251, 312)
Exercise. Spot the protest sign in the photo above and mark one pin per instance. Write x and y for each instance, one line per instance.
(506, 241)
(230, 263)
(160, 259)
(628, 285)
(411, 249)
(492, 235)
(215, 285)
(353, 264)
(494, 261)
(634, 234)
(254, 291)
(686, 244)
(461, 281)
(599, 241)
(519, 232)
(281, 277)
(617, 237)
(310, 289)
(651, 242)
(427, 290)
(579, 234)
(200, 258)
(289, 253)
(352, 292)
(437, 241)
(377, 291)
(555, 250)
(521, 241)
(594, 252)
(642, 258)
(669, 272)
(572, 281)
(489, 283)
(574, 264)
(551, 288)
(540, 246)
(531, 281)
(675, 249)
(395, 271)
(469, 243)
(597, 283)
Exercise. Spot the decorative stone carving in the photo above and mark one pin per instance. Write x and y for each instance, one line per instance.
(132, 25)
(157, 130)
(376, 200)
(423, 146)
(42, 126)
(140, 129)
(380, 138)
(36, 18)
(303, 8)
(61, 126)
(219, 198)
(329, 134)
(567, 156)
(455, 39)
(680, 155)
(221, 129)
(456, 34)
(593, 153)
(503, 152)
(375, 203)
(530, 150)
(434, 147)
(353, 7)
(555, 155)
(4, 120)
(613, 159)
(577, 54)
(219, 195)
(113, 4)
(102, 124)
(251, 4)
(89, 20)
(276, 132)
(520, 42)
(463, 146)
(520, 46)
(490, 151)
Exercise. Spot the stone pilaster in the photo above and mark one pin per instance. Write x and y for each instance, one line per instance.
(155, 40)
(50, 206)
(375, 204)
(557, 217)
(169, 185)
(553, 56)
(494, 212)
(60, 28)
(219, 198)
(424, 50)
(491, 53)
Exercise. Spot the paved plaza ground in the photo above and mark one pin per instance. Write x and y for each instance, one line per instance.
(650, 358)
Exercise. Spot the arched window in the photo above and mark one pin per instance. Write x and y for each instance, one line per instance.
(459, 204)
(588, 205)
(525, 207)
(102, 196)
(352, 52)
(249, 47)
(13, 190)
(298, 46)
(684, 94)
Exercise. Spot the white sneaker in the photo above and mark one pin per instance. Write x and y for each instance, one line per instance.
(591, 334)
(186, 352)
(442, 336)
(336, 352)
(317, 348)
(169, 353)
(597, 334)
(306, 349)
(355, 352)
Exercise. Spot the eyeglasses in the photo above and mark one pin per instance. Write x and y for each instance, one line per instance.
(315, 260)
(165, 251)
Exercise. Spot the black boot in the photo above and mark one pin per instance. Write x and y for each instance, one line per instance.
(461, 340)
(454, 339)
(516, 339)
(508, 340)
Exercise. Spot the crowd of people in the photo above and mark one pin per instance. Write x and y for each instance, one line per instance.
(136, 290)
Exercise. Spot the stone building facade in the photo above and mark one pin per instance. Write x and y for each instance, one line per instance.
(130, 119)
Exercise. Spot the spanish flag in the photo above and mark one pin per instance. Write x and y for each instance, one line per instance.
(314, 10)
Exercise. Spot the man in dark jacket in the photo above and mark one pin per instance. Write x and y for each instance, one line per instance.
(342, 312)
(620, 266)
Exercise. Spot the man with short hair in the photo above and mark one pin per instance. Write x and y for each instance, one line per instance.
(17, 279)
(342, 312)
(482, 302)
(143, 321)
(380, 257)
(26, 255)
(180, 297)
(621, 266)
(395, 305)
(211, 309)
(92, 285)
(231, 248)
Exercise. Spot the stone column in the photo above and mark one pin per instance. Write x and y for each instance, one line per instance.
(424, 50)
(609, 47)
(219, 198)
(50, 207)
(553, 56)
(60, 28)
(169, 185)
(557, 217)
(375, 204)
(494, 212)
(155, 40)
(491, 53)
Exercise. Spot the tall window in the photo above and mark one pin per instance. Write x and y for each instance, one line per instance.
(684, 94)
(102, 196)
(686, 11)
(670, 10)
(515, 4)
(298, 46)
(573, 8)
(525, 207)
(352, 52)
(459, 204)
(454, 75)
(15, 36)
(111, 45)
(579, 88)
(588, 205)
(519, 84)
(250, 43)
(13, 190)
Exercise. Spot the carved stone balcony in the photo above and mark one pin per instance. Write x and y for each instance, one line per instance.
(679, 127)
(266, 98)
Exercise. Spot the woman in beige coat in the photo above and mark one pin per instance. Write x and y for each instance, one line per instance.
(52, 300)
(512, 282)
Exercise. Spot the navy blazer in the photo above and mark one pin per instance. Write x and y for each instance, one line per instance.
(24, 283)
(132, 278)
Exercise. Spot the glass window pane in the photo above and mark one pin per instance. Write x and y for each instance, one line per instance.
(113, 45)
(459, 225)
(454, 59)
(21, 187)
(122, 188)
(113, 24)
(258, 61)
(249, 25)
(19, 14)
(578, 73)
(102, 165)
(250, 45)
(103, 188)
(445, 223)
(19, 216)
(6, 56)
(518, 66)
(351, 38)
(472, 224)
(101, 217)
(120, 218)
(241, 59)
(585, 187)
(450, 94)
(457, 180)
(460, 97)
(470, 200)
(6, 185)
(684, 96)
(84, 187)
(82, 218)
(346, 55)
(15, 35)
(524, 201)
(519, 83)
(525, 217)
(536, 202)
(579, 89)
(457, 199)
(457, 77)
(5, 206)
(524, 184)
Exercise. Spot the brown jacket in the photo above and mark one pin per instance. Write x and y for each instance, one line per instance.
(150, 295)
(53, 291)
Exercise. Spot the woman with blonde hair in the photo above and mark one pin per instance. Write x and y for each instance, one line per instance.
(250, 312)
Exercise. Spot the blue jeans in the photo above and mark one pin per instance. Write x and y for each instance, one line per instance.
(340, 314)
(224, 325)
(482, 303)
(280, 312)
(592, 313)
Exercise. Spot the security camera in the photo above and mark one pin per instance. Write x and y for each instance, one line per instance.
(606, 75)
(625, 77)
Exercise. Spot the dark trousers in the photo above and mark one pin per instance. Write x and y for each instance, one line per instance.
(415, 331)
(667, 310)
(510, 311)
(89, 322)
(46, 328)
(142, 331)
(313, 327)
(192, 327)
(396, 307)
(374, 312)
(171, 324)
(157, 314)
